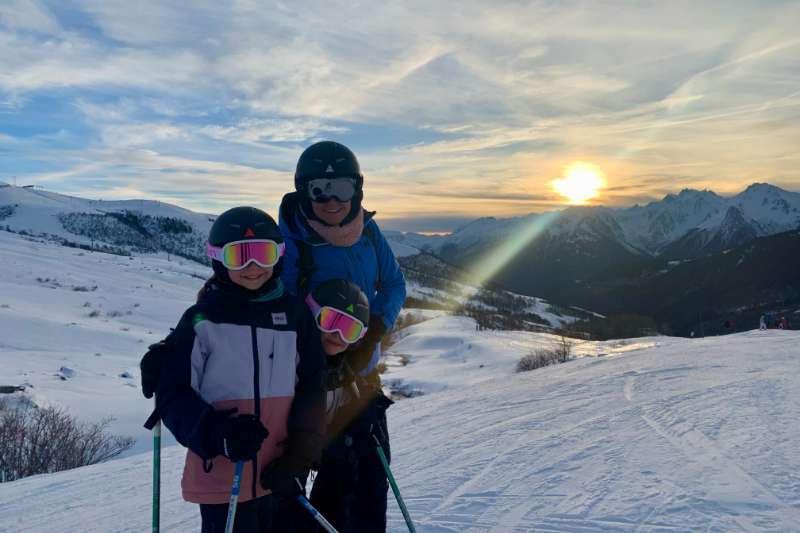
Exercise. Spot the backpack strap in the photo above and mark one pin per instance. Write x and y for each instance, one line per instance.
(373, 238)
(305, 266)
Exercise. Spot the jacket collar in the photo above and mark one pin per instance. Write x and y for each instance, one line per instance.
(295, 224)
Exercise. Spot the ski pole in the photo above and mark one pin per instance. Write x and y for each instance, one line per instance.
(157, 477)
(316, 514)
(395, 488)
(237, 481)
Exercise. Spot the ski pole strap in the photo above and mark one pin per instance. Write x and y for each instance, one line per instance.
(393, 483)
(237, 483)
(152, 420)
(317, 516)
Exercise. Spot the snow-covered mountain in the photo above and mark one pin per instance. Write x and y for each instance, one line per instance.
(115, 226)
(690, 223)
(693, 223)
(656, 434)
(578, 255)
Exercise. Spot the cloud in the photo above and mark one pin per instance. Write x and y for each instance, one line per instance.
(27, 15)
(493, 99)
(270, 130)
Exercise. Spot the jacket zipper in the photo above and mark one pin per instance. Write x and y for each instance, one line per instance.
(256, 398)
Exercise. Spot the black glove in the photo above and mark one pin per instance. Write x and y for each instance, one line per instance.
(281, 475)
(339, 373)
(278, 479)
(150, 366)
(360, 356)
(240, 437)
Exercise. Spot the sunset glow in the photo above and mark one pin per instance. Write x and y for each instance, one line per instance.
(581, 183)
(504, 111)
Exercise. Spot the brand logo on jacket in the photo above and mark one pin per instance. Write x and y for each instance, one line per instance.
(279, 319)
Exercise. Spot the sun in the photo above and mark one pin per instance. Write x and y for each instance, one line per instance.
(581, 183)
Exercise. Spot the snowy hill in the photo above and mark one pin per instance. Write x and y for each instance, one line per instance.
(148, 227)
(116, 226)
(74, 324)
(661, 434)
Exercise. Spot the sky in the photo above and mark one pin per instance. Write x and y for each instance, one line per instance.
(455, 111)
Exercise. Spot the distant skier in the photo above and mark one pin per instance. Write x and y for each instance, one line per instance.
(329, 235)
(783, 323)
(243, 379)
(762, 322)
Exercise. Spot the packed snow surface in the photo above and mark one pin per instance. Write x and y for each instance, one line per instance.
(74, 324)
(657, 435)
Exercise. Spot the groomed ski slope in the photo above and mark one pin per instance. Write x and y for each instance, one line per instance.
(655, 435)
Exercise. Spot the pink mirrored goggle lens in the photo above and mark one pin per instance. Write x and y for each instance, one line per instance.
(331, 320)
(349, 328)
(237, 255)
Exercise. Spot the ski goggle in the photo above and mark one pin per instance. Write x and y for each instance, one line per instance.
(323, 189)
(331, 320)
(238, 254)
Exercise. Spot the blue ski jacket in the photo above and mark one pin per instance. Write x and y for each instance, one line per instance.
(362, 263)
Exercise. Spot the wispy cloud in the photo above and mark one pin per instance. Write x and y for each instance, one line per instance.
(453, 112)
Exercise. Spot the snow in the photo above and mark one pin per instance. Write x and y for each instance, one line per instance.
(401, 249)
(37, 211)
(463, 294)
(653, 434)
(87, 317)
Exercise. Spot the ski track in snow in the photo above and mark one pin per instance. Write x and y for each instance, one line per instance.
(699, 487)
(707, 456)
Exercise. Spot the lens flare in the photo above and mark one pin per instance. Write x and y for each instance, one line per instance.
(581, 183)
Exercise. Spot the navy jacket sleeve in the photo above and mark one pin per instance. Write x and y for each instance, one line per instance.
(290, 270)
(183, 411)
(308, 406)
(392, 293)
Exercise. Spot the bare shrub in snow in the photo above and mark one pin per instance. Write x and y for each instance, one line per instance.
(46, 440)
(560, 353)
(84, 288)
(563, 349)
(537, 359)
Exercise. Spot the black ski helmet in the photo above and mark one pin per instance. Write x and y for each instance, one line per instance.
(239, 224)
(326, 159)
(242, 223)
(344, 296)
